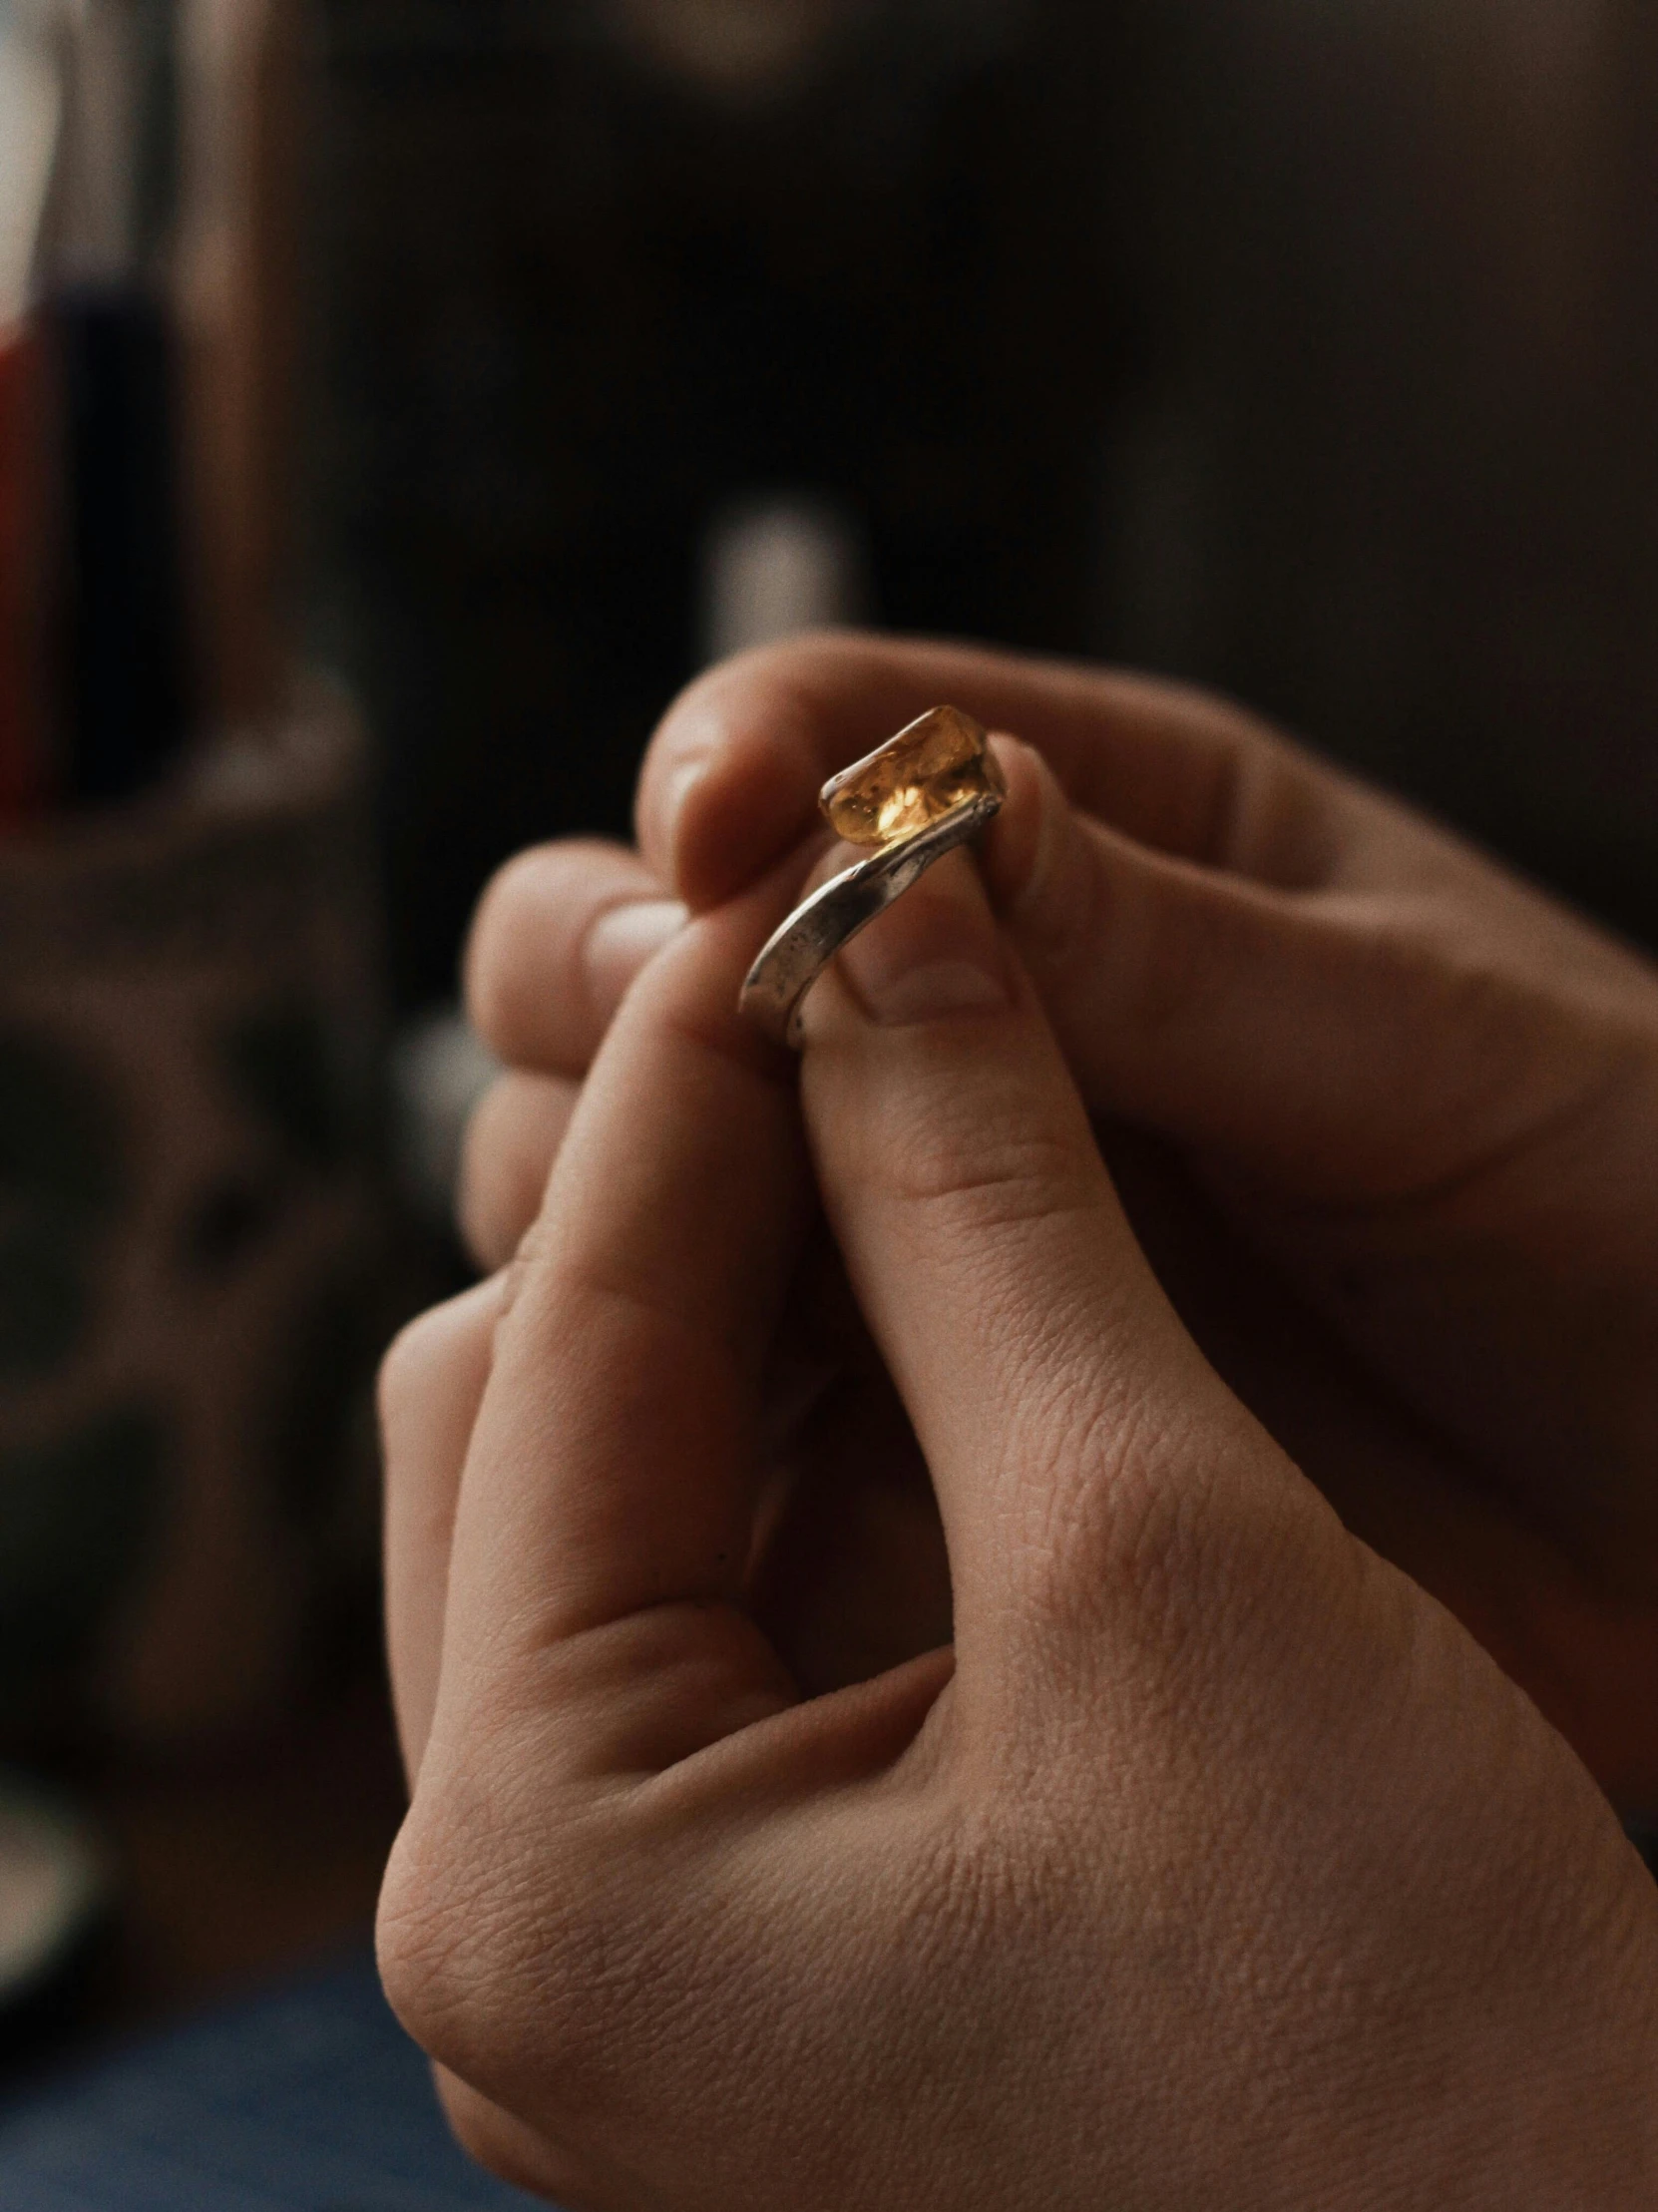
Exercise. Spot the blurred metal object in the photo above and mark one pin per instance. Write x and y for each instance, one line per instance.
(775, 567)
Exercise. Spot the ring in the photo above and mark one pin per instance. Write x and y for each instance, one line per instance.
(924, 792)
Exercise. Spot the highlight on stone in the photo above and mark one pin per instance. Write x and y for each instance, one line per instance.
(937, 765)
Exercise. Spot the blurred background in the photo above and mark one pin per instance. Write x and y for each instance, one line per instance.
(399, 399)
(1304, 350)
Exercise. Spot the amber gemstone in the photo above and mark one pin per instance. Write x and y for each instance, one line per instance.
(923, 774)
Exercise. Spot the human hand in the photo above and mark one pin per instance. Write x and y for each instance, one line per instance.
(1219, 1865)
(1420, 1091)
(849, 1576)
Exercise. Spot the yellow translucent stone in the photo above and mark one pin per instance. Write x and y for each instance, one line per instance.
(923, 774)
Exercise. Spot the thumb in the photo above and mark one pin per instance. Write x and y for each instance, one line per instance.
(1332, 1041)
(1065, 1415)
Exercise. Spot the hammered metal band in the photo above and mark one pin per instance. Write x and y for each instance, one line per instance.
(796, 954)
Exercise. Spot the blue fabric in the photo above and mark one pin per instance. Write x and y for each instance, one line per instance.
(311, 2100)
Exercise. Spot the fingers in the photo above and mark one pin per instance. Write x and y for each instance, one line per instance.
(431, 1385)
(1061, 1408)
(613, 1466)
(560, 934)
(511, 1143)
(732, 778)
(1341, 1043)
(1223, 1013)
(1236, 945)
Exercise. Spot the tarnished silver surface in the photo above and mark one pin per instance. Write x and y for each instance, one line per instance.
(796, 955)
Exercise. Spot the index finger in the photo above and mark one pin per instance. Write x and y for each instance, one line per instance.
(611, 1470)
(732, 778)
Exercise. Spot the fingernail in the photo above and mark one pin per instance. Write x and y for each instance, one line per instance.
(937, 953)
(623, 939)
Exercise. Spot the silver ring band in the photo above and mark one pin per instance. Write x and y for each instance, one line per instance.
(795, 955)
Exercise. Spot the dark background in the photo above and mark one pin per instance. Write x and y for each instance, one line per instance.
(1307, 351)
(578, 306)
(1305, 347)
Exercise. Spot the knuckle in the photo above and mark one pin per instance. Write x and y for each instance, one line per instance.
(1154, 1524)
(415, 1959)
(448, 1938)
(1107, 1518)
(984, 1169)
(513, 1945)
(1150, 1550)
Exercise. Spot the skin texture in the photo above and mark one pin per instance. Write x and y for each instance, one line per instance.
(1214, 1862)
(1381, 1115)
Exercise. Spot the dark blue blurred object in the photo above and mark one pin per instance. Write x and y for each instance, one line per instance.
(309, 2101)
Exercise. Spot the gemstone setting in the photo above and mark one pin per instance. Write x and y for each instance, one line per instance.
(924, 792)
(938, 763)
